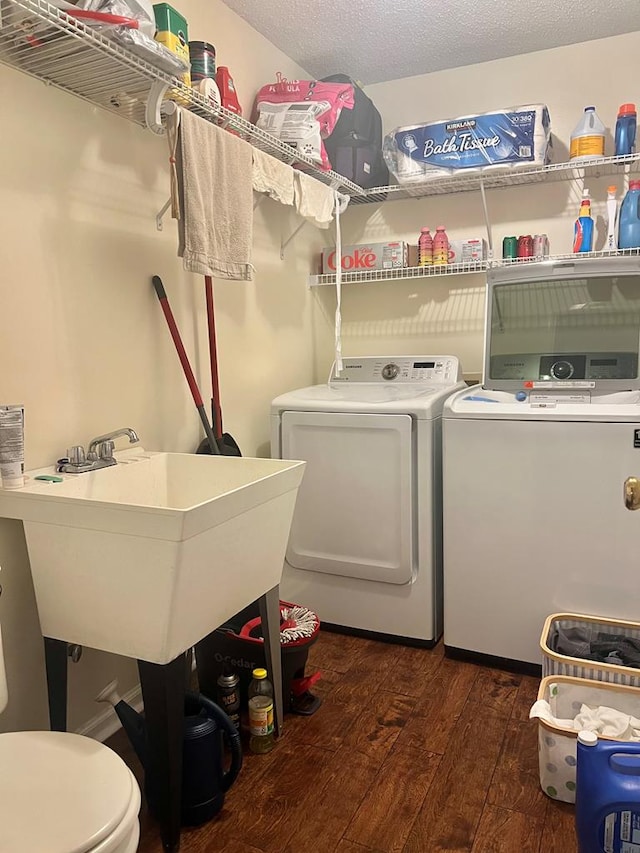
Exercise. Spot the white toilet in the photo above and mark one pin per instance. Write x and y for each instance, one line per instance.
(64, 793)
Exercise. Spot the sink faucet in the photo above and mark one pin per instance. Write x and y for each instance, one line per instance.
(99, 454)
(111, 436)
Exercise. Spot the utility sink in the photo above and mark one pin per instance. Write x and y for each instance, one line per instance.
(148, 556)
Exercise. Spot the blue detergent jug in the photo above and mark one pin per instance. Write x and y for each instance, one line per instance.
(629, 222)
(607, 795)
(625, 135)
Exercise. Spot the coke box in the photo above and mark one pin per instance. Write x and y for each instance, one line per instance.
(367, 257)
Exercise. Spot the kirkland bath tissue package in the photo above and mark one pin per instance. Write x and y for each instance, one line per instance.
(502, 139)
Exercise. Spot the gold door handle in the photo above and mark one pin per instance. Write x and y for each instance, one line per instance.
(632, 493)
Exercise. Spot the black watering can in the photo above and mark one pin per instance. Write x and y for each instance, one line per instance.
(204, 779)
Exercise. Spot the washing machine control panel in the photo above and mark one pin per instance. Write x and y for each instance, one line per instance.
(441, 369)
(565, 367)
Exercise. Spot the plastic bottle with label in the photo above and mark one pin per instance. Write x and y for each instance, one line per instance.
(425, 248)
(440, 247)
(261, 713)
(583, 228)
(626, 130)
(227, 89)
(229, 695)
(587, 139)
(607, 794)
(629, 224)
(612, 220)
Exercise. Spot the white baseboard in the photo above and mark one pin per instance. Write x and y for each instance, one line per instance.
(106, 723)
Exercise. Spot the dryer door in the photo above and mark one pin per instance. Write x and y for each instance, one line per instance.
(355, 510)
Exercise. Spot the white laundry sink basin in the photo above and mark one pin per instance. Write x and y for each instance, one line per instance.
(146, 557)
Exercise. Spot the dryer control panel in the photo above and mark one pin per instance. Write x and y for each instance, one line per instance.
(434, 369)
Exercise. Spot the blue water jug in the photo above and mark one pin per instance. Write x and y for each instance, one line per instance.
(626, 130)
(607, 795)
(629, 224)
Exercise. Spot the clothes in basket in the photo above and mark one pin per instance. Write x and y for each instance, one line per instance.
(565, 697)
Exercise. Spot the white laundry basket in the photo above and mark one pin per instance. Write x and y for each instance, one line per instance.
(554, 663)
(557, 746)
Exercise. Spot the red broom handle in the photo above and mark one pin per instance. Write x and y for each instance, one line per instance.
(177, 340)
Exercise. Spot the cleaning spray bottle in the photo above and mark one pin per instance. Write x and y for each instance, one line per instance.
(583, 229)
(612, 220)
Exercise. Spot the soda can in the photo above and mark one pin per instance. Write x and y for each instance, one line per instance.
(525, 246)
(510, 247)
(540, 246)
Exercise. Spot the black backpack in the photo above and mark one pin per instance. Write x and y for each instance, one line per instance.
(355, 146)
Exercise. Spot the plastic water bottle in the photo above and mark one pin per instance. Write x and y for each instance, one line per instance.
(440, 247)
(587, 139)
(607, 794)
(261, 713)
(626, 130)
(425, 248)
(629, 223)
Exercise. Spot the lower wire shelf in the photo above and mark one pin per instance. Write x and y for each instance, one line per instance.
(470, 268)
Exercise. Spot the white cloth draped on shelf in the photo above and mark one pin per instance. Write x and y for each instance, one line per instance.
(272, 177)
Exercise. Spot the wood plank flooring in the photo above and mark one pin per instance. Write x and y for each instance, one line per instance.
(411, 752)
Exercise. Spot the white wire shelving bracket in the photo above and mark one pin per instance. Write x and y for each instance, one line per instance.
(470, 268)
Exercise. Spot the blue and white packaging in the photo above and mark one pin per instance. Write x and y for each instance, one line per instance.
(502, 139)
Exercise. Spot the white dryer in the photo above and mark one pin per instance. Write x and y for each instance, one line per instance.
(536, 458)
(365, 550)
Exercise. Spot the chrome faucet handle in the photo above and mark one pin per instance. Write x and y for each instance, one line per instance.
(105, 449)
(76, 455)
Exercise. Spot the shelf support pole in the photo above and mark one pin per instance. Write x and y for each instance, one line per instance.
(487, 220)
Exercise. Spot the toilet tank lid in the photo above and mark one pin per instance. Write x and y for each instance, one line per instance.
(60, 792)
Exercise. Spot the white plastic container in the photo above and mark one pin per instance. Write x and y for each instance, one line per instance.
(557, 746)
(555, 663)
(587, 139)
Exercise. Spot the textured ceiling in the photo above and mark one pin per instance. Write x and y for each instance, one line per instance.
(377, 40)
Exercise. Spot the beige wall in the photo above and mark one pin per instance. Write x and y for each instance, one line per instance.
(82, 340)
(446, 314)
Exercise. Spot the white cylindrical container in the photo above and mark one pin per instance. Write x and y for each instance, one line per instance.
(12, 446)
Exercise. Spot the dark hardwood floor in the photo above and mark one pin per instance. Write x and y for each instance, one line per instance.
(411, 752)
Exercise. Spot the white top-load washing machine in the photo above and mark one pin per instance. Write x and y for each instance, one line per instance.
(366, 543)
(535, 459)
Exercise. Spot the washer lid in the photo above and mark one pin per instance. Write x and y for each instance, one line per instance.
(59, 792)
(366, 393)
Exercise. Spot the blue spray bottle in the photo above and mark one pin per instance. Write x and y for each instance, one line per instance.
(583, 229)
(607, 795)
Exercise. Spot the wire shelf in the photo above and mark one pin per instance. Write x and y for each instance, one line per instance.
(400, 273)
(43, 41)
(576, 257)
(466, 182)
(473, 267)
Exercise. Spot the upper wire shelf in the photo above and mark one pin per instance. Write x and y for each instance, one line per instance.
(466, 181)
(44, 42)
